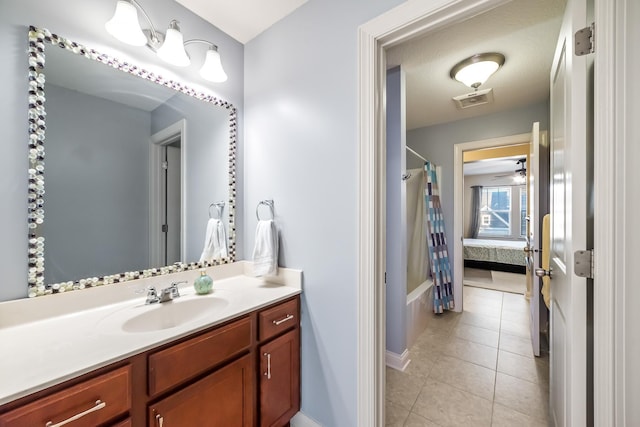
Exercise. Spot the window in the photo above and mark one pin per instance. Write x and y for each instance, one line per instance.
(495, 211)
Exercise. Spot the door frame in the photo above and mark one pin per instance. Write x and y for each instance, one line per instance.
(163, 137)
(418, 17)
(458, 200)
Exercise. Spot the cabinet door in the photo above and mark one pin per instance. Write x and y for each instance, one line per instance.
(280, 380)
(223, 398)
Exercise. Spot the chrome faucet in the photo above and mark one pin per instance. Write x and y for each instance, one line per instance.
(167, 294)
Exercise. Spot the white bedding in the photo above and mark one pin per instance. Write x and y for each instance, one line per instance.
(501, 251)
(487, 243)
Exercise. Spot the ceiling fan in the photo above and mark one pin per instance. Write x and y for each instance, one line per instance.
(520, 174)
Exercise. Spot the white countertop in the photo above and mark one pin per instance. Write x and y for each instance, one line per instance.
(47, 340)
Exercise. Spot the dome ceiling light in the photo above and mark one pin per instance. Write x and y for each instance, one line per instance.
(476, 69)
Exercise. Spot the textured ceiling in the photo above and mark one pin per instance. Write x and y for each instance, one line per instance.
(524, 31)
(242, 19)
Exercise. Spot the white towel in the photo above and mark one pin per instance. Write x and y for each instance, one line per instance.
(265, 252)
(215, 241)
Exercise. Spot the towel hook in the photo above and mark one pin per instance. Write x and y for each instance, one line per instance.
(267, 203)
(219, 206)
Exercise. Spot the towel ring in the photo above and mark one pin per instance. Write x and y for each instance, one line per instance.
(219, 207)
(267, 203)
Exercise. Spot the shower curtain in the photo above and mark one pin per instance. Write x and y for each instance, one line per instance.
(417, 260)
(437, 242)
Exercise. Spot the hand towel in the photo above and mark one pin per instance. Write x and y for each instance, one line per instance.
(215, 241)
(265, 251)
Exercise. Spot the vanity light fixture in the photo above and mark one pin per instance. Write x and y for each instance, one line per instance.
(476, 69)
(169, 47)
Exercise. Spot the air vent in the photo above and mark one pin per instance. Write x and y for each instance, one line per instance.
(474, 99)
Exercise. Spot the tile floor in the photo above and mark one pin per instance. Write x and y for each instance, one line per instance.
(474, 368)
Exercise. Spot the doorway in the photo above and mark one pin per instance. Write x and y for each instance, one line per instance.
(372, 254)
(166, 195)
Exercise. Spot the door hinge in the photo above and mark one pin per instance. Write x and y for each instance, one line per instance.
(583, 263)
(165, 165)
(584, 40)
(165, 228)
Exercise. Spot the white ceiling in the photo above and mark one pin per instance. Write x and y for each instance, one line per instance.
(524, 31)
(64, 68)
(503, 165)
(242, 19)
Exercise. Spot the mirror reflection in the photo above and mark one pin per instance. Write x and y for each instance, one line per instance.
(137, 174)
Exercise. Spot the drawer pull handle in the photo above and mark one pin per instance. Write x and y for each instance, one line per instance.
(268, 373)
(159, 420)
(281, 321)
(99, 405)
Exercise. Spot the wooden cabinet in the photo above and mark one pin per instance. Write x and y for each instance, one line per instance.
(244, 373)
(280, 379)
(89, 403)
(223, 398)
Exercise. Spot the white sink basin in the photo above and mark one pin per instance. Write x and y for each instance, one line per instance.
(157, 317)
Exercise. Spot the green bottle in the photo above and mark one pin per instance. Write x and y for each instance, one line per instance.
(203, 284)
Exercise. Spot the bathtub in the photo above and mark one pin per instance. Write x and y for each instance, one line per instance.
(419, 308)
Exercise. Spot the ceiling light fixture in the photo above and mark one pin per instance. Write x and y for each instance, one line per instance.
(476, 69)
(169, 47)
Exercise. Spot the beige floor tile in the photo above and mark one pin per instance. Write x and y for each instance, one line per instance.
(505, 417)
(416, 420)
(448, 406)
(472, 352)
(523, 396)
(515, 344)
(478, 308)
(535, 369)
(466, 376)
(515, 328)
(514, 300)
(481, 300)
(515, 315)
(422, 359)
(395, 415)
(476, 334)
(402, 389)
(471, 291)
(475, 319)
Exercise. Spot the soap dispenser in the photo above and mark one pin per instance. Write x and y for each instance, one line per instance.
(203, 284)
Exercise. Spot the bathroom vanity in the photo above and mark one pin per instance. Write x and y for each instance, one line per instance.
(231, 358)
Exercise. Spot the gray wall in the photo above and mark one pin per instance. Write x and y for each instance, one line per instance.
(301, 150)
(97, 197)
(396, 276)
(82, 21)
(207, 158)
(436, 144)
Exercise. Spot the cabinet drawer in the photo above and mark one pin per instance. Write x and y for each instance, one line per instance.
(99, 399)
(186, 360)
(277, 319)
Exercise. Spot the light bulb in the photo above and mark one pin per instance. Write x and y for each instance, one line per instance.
(124, 24)
(212, 69)
(172, 50)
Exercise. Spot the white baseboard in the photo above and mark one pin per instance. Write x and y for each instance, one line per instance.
(397, 361)
(301, 420)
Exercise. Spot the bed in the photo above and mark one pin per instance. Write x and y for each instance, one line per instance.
(500, 255)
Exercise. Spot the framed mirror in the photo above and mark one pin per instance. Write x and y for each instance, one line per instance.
(130, 175)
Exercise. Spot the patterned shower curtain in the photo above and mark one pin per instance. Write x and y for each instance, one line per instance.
(437, 242)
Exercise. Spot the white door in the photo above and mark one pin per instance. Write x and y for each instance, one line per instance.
(568, 367)
(532, 248)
